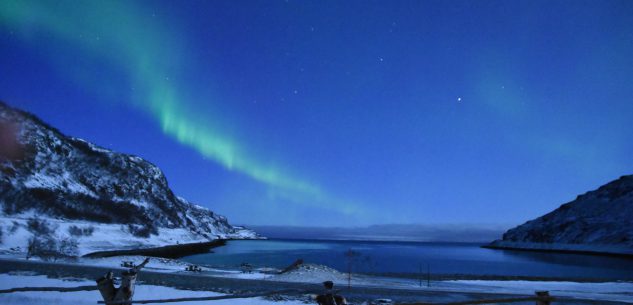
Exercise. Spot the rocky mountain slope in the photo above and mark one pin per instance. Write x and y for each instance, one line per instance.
(598, 221)
(45, 173)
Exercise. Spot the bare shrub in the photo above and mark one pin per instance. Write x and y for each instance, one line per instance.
(48, 248)
(44, 246)
(68, 247)
(142, 231)
(14, 227)
(39, 227)
(78, 232)
(75, 231)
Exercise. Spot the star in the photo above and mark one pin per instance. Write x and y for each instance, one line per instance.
(459, 99)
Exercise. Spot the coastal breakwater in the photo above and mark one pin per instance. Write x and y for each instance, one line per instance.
(171, 251)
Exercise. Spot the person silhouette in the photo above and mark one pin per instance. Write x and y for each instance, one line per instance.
(329, 297)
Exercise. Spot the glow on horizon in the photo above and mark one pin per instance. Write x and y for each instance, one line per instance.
(130, 39)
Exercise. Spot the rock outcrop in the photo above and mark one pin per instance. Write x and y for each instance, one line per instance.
(599, 221)
(49, 174)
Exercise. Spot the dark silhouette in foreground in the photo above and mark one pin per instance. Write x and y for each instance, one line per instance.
(125, 292)
(329, 297)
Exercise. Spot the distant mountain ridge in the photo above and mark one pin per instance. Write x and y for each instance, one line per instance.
(599, 221)
(472, 233)
(55, 176)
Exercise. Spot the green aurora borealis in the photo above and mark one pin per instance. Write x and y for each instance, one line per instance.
(361, 113)
(127, 36)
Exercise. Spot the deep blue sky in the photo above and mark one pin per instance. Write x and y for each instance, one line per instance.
(340, 112)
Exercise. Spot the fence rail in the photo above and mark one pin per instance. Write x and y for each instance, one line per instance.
(57, 289)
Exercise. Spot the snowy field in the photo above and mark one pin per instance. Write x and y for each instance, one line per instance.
(610, 291)
(619, 292)
(143, 292)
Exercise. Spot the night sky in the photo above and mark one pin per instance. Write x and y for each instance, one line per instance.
(346, 113)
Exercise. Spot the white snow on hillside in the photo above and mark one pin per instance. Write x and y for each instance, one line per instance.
(104, 237)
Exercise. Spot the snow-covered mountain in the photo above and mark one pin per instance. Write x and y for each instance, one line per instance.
(49, 175)
(597, 221)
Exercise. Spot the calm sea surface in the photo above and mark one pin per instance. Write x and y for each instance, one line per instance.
(408, 258)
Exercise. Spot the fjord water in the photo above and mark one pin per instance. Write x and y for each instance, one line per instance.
(408, 258)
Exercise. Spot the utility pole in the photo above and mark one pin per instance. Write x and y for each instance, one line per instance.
(349, 276)
(420, 274)
(351, 256)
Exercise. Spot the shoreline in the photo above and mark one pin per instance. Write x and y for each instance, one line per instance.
(484, 277)
(179, 251)
(439, 292)
(626, 253)
(619, 252)
(402, 288)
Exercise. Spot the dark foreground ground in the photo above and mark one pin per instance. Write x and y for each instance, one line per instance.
(355, 295)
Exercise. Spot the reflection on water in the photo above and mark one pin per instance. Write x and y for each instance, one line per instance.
(394, 257)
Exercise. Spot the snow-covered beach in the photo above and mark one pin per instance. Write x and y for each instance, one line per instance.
(143, 292)
(165, 278)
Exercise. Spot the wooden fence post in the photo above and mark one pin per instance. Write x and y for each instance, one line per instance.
(543, 298)
(106, 286)
(125, 292)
